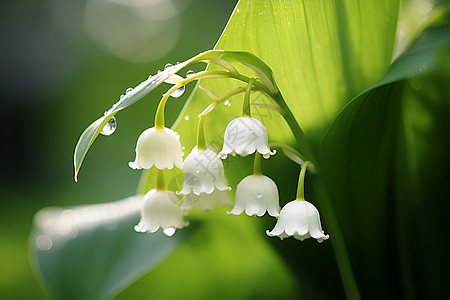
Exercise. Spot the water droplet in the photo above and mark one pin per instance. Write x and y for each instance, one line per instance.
(121, 96)
(44, 242)
(197, 171)
(129, 90)
(177, 63)
(110, 127)
(168, 66)
(190, 73)
(259, 195)
(149, 76)
(169, 231)
(179, 92)
(159, 71)
(186, 118)
(195, 178)
(182, 148)
(226, 102)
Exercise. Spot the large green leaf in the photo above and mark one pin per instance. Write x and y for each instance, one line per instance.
(382, 158)
(322, 53)
(92, 251)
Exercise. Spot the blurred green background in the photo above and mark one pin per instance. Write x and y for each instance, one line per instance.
(62, 64)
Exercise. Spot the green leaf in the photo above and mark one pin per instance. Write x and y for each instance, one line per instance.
(92, 251)
(375, 160)
(322, 53)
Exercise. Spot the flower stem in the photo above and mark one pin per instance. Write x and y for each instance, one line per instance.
(201, 139)
(257, 164)
(300, 137)
(301, 182)
(160, 180)
(159, 118)
(246, 104)
(337, 240)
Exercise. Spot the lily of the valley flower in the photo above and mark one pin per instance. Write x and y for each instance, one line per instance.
(299, 219)
(206, 202)
(203, 172)
(256, 194)
(159, 147)
(158, 211)
(244, 136)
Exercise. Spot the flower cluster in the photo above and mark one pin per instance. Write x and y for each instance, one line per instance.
(205, 185)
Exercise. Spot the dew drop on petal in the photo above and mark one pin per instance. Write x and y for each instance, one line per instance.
(190, 73)
(121, 96)
(129, 90)
(169, 231)
(168, 65)
(159, 71)
(197, 171)
(110, 127)
(149, 76)
(179, 92)
(259, 195)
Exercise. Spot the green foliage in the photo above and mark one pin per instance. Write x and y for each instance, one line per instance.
(376, 132)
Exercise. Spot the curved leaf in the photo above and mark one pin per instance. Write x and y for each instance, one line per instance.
(92, 252)
(372, 157)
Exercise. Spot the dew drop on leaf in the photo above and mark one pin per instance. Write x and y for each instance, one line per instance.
(179, 92)
(110, 127)
(190, 73)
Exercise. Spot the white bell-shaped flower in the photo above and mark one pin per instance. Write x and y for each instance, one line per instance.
(203, 172)
(159, 147)
(206, 202)
(244, 136)
(256, 194)
(159, 210)
(299, 219)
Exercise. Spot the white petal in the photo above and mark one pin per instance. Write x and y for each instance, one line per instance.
(245, 135)
(159, 147)
(209, 202)
(299, 219)
(159, 210)
(257, 194)
(203, 171)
